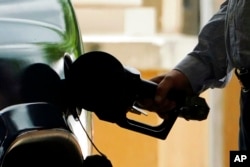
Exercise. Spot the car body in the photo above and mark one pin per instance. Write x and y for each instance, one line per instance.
(35, 32)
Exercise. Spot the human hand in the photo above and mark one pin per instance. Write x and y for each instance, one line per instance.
(174, 83)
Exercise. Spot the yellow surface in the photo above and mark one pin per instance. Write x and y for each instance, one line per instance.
(231, 118)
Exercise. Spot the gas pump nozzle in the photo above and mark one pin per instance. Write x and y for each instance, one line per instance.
(104, 86)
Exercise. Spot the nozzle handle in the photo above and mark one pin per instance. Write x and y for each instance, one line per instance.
(190, 108)
(160, 131)
(147, 90)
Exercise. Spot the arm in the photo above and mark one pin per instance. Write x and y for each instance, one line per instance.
(206, 66)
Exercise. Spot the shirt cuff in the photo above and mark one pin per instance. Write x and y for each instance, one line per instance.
(196, 72)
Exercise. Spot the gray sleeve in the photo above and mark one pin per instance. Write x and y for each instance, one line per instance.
(207, 65)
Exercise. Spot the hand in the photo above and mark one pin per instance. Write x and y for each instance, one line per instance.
(162, 103)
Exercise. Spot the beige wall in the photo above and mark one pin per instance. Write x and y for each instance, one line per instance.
(231, 117)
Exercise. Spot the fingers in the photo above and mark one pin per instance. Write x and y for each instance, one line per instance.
(164, 108)
(158, 79)
(161, 103)
(163, 89)
(147, 104)
(164, 101)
